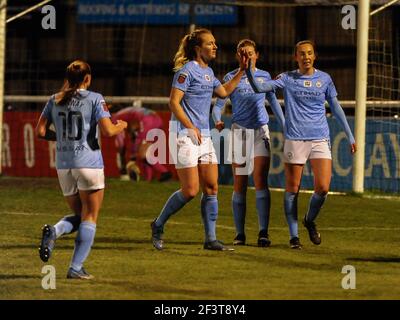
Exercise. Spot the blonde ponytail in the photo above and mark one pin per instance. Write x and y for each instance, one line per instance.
(181, 55)
(186, 50)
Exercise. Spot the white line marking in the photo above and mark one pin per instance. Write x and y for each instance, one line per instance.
(197, 224)
(26, 213)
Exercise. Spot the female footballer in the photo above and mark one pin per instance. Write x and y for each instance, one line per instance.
(305, 91)
(249, 113)
(75, 113)
(193, 86)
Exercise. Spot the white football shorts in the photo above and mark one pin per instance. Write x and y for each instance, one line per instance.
(298, 151)
(240, 147)
(73, 180)
(190, 154)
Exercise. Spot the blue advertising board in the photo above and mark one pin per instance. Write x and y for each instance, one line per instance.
(158, 12)
(382, 157)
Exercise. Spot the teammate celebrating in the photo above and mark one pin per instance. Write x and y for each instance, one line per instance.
(306, 134)
(193, 86)
(75, 113)
(248, 112)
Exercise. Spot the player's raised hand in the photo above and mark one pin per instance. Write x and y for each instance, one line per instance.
(243, 59)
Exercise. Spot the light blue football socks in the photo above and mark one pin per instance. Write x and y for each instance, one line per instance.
(209, 213)
(263, 205)
(314, 206)
(175, 202)
(68, 224)
(83, 243)
(290, 206)
(63, 227)
(239, 211)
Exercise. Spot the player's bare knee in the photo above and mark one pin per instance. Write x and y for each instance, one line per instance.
(190, 192)
(211, 189)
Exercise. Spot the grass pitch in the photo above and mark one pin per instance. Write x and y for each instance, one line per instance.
(361, 232)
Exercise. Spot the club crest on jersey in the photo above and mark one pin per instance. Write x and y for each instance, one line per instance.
(104, 104)
(307, 83)
(182, 78)
(207, 77)
(260, 80)
(318, 84)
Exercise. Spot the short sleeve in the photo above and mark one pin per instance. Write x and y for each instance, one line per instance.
(48, 108)
(100, 108)
(216, 83)
(181, 79)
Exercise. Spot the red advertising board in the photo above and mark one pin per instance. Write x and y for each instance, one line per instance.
(24, 155)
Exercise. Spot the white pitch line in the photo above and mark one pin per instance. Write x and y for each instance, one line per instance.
(372, 196)
(334, 193)
(199, 224)
(26, 213)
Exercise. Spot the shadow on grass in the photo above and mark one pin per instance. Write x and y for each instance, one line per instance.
(272, 246)
(18, 276)
(126, 286)
(376, 259)
(67, 247)
(115, 243)
(116, 240)
(32, 246)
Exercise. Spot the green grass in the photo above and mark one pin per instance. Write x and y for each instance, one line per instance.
(355, 231)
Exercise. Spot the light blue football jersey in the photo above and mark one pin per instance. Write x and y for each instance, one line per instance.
(248, 107)
(305, 97)
(198, 84)
(76, 129)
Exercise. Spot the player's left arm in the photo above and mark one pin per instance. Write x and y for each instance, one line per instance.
(258, 87)
(216, 113)
(43, 130)
(218, 108)
(339, 114)
(276, 108)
